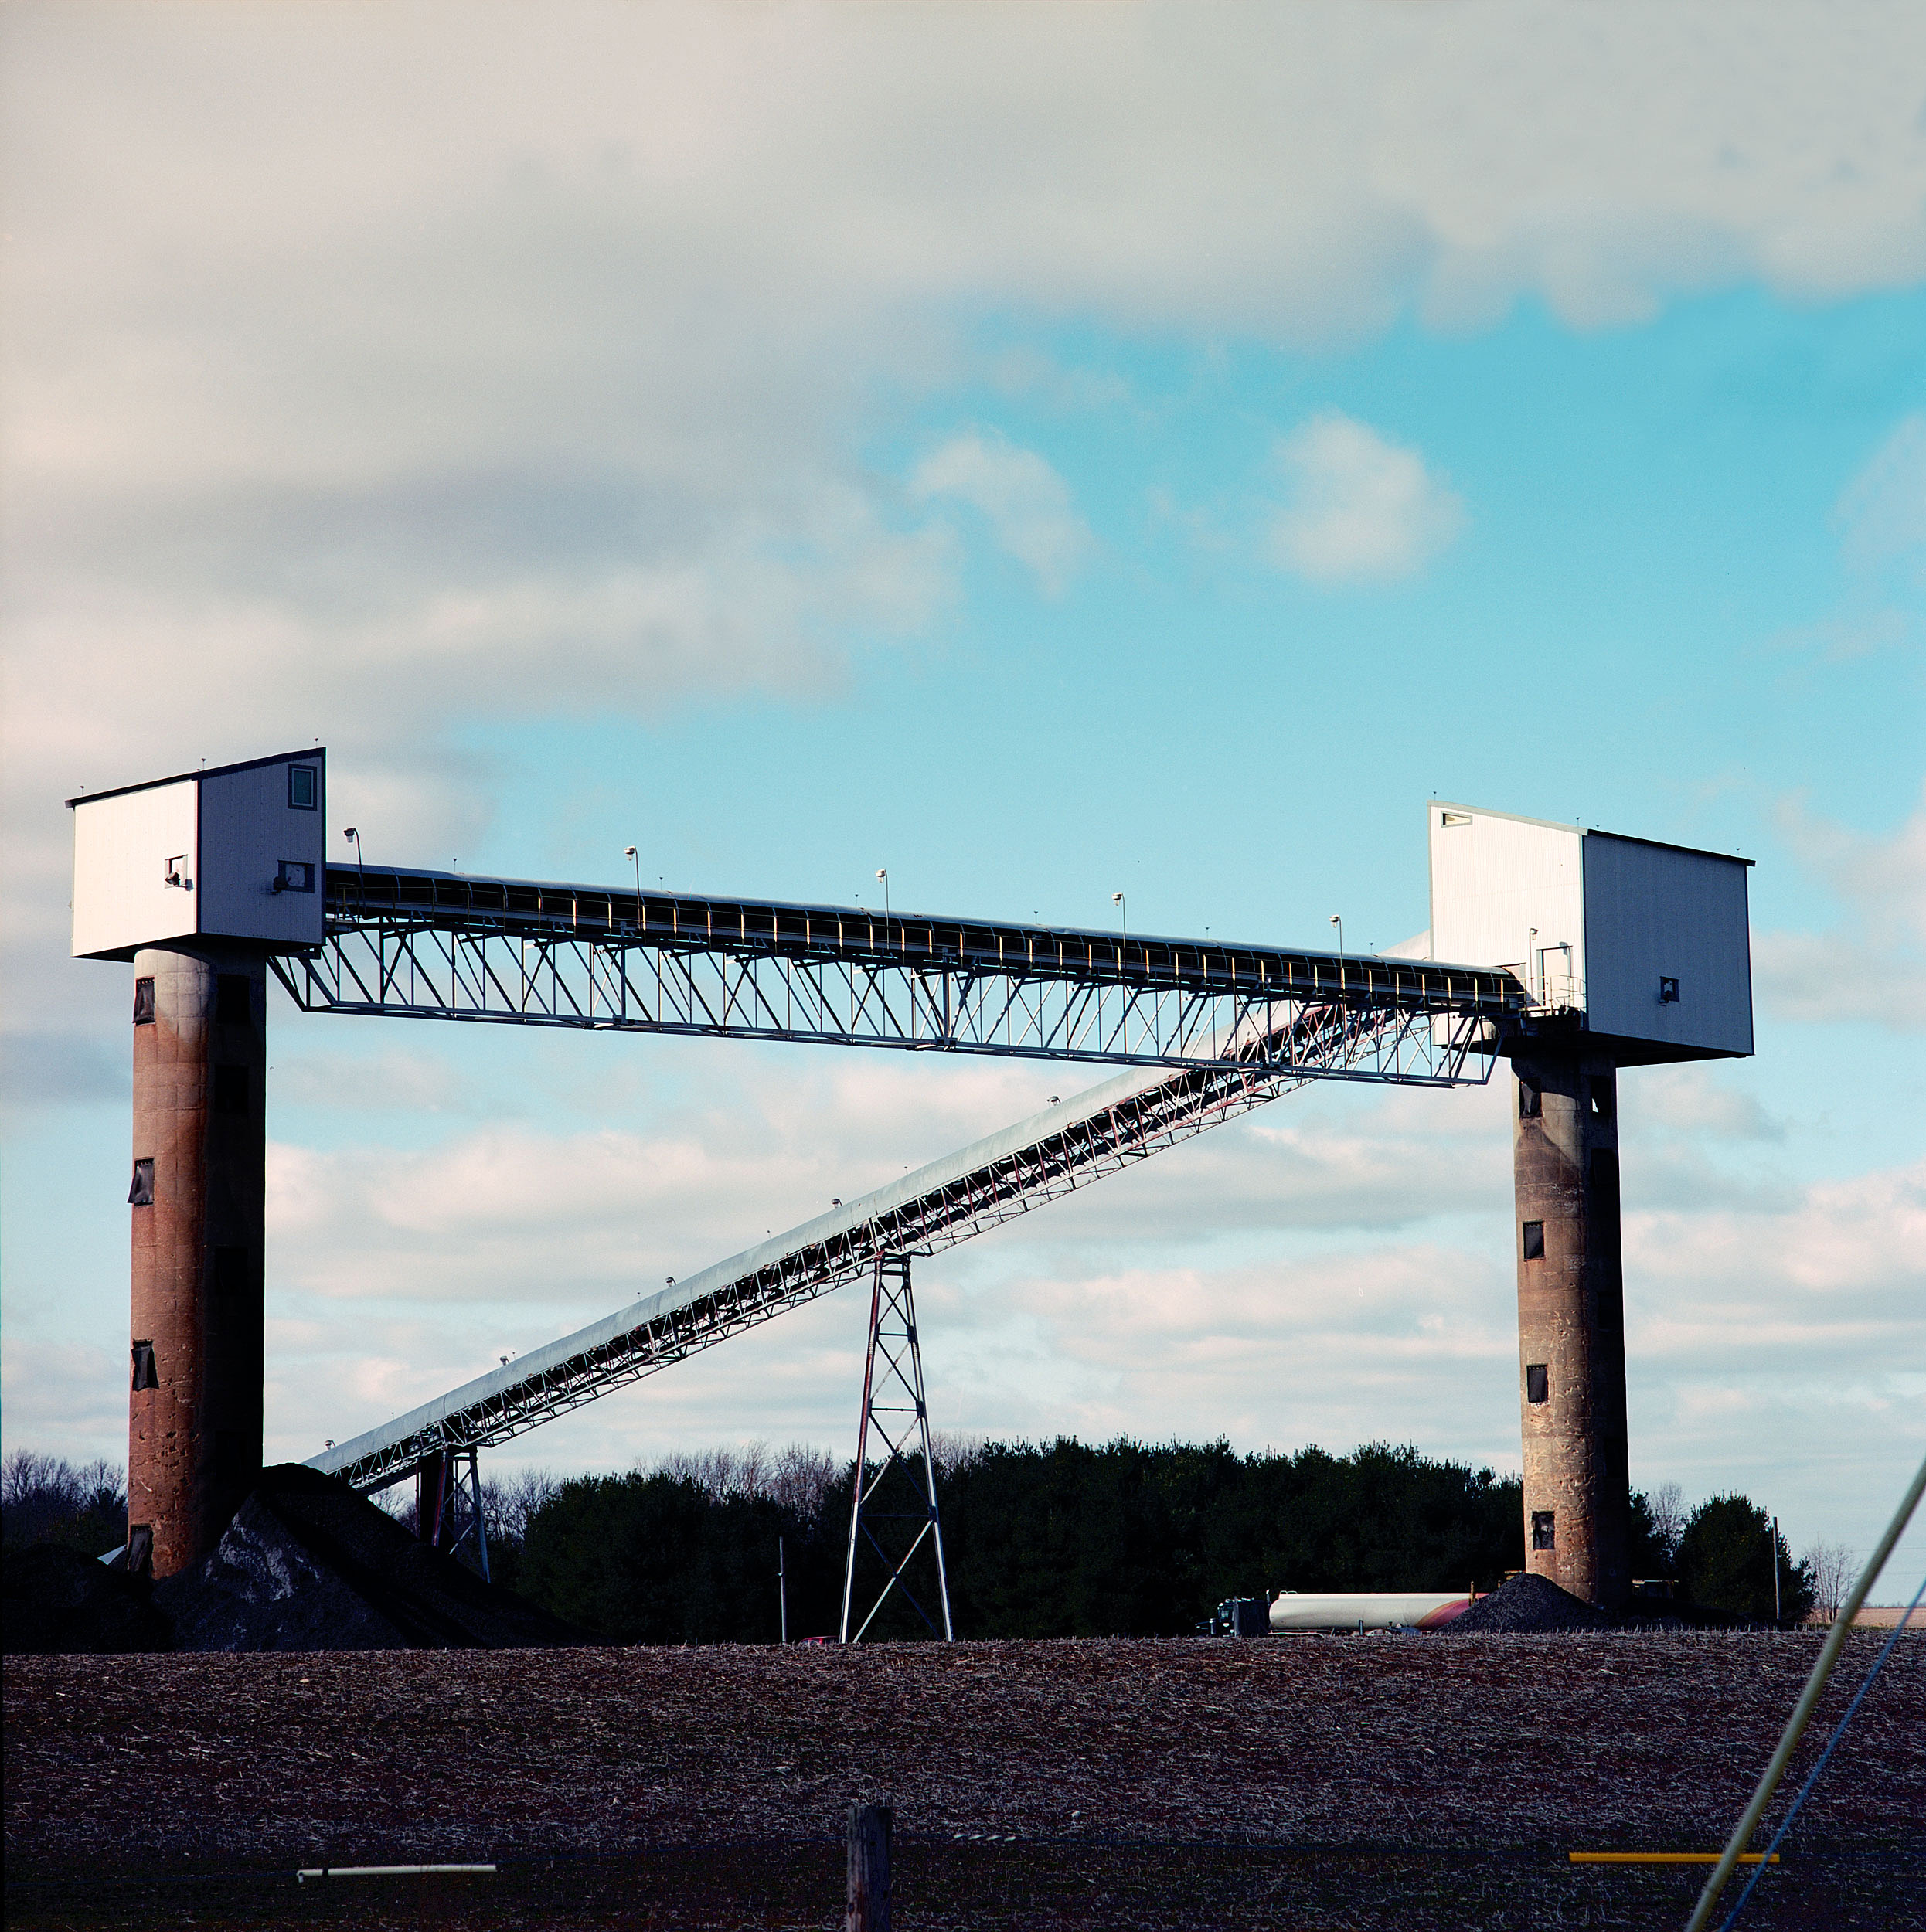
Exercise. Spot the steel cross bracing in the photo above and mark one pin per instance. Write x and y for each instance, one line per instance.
(450, 1512)
(441, 946)
(892, 1505)
(979, 1187)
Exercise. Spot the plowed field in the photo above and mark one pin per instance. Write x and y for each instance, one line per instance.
(1310, 1782)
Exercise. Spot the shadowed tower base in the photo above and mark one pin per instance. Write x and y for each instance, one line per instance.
(197, 1203)
(1571, 1324)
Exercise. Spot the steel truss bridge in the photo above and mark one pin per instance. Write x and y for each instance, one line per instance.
(1228, 1028)
(429, 945)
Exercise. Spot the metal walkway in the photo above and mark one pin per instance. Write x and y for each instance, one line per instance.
(1038, 1160)
(435, 945)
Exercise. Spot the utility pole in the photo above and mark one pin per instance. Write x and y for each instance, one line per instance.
(782, 1588)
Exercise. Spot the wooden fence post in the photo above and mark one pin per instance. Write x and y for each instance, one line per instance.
(869, 1867)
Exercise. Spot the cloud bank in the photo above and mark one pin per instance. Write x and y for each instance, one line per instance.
(1362, 507)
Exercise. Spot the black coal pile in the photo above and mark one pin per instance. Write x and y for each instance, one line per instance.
(1526, 1606)
(306, 1564)
(62, 1601)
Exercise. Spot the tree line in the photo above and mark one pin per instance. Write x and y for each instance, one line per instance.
(1071, 1540)
(1062, 1539)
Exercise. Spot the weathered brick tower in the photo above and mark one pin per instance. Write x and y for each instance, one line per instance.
(198, 880)
(1571, 1324)
(198, 1202)
(1630, 953)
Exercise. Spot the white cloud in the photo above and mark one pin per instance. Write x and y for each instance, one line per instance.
(1872, 966)
(502, 365)
(1335, 1268)
(1697, 1102)
(392, 1082)
(1882, 512)
(1028, 505)
(1361, 509)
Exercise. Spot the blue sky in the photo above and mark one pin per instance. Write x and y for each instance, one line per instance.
(1044, 454)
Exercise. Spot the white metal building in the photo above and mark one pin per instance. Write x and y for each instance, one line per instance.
(1646, 944)
(235, 853)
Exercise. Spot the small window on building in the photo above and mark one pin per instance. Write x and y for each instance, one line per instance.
(140, 1549)
(295, 875)
(145, 1376)
(1668, 992)
(1534, 1240)
(303, 788)
(230, 1090)
(227, 1273)
(1455, 817)
(1537, 1382)
(1601, 1087)
(234, 1001)
(141, 1193)
(1544, 1530)
(1531, 1101)
(143, 1002)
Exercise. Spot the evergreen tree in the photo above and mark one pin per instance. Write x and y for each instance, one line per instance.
(1057, 1540)
(1726, 1559)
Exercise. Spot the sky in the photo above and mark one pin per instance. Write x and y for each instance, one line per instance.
(1044, 451)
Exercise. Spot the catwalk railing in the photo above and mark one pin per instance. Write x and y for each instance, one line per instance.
(981, 1187)
(441, 946)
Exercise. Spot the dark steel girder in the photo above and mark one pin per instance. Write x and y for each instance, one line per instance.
(444, 946)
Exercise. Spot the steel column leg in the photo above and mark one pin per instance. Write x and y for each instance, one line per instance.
(896, 1414)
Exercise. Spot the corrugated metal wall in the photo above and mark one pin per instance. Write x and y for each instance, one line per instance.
(1654, 913)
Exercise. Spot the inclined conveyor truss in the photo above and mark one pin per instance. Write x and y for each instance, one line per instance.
(1066, 1147)
(444, 946)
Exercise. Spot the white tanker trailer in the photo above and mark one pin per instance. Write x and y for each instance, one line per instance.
(1367, 1610)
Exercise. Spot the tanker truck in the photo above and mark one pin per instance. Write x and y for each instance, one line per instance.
(1367, 1610)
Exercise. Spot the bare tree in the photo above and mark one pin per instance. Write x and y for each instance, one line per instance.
(799, 1478)
(1831, 1567)
(796, 1478)
(40, 1495)
(401, 1502)
(1667, 1505)
(953, 1451)
(719, 1472)
(509, 1502)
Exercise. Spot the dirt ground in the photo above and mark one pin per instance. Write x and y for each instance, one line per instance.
(1299, 1782)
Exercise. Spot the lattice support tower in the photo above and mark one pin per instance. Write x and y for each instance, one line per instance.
(895, 1508)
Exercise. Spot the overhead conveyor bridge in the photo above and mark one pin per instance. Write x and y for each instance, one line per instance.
(1592, 951)
(437, 945)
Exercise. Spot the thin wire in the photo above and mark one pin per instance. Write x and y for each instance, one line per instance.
(1785, 1823)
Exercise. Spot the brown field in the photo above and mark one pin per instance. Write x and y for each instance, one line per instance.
(1307, 1782)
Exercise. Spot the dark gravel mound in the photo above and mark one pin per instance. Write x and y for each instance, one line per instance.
(306, 1564)
(56, 1601)
(1524, 1607)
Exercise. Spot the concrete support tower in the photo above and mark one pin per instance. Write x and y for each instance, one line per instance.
(1571, 1324)
(198, 880)
(1627, 953)
(197, 1203)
